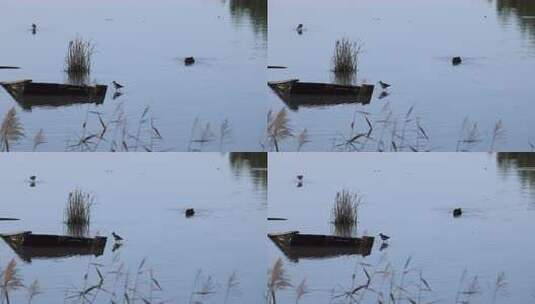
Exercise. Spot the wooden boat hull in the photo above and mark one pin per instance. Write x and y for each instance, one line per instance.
(30, 94)
(297, 246)
(295, 93)
(29, 246)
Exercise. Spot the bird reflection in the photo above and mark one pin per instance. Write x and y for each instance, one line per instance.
(116, 95)
(383, 246)
(116, 246)
(384, 94)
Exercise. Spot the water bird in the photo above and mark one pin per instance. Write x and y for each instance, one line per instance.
(384, 85)
(299, 184)
(117, 237)
(300, 177)
(32, 184)
(33, 177)
(384, 237)
(116, 85)
(34, 28)
(190, 212)
(456, 60)
(189, 60)
(457, 212)
(299, 29)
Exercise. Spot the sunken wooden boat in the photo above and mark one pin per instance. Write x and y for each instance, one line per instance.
(28, 245)
(310, 94)
(296, 245)
(30, 94)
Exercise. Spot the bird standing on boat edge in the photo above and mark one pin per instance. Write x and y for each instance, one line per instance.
(384, 85)
(117, 237)
(116, 85)
(384, 237)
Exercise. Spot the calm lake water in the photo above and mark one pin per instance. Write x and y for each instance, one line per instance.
(142, 197)
(142, 45)
(410, 197)
(409, 44)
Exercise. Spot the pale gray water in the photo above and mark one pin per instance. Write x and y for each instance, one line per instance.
(142, 45)
(410, 197)
(142, 197)
(410, 45)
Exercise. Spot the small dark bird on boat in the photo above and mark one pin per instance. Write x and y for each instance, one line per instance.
(456, 60)
(384, 85)
(457, 212)
(116, 237)
(189, 60)
(190, 212)
(384, 237)
(299, 29)
(116, 85)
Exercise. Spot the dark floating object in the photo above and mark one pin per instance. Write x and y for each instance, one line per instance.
(456, 60)
(297, 246)
(299, 184)
(384, 237)
(300, 177)
(33, 177)
(116, 237)
(309, 94)
(276, 219)
(42, 246)
(384, 85)
(34, 28)
(276, 67)
(9, 219)
(30, 94)
(189, 60)
(6, 67)
(32, 184)
(190, 212)
(457, 212)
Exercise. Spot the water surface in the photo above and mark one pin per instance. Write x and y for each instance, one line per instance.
(142, 197)
(410, 197)
(142, 45)
(410, 45)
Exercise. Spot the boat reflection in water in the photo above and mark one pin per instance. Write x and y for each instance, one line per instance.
(297, 94)
(29, 94)
(30, 246)
(297, 246)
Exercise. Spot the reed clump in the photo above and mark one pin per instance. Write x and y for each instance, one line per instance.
(345, 57)
(10, 130)
(345, 209)
(78, 59)
(78, 209)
